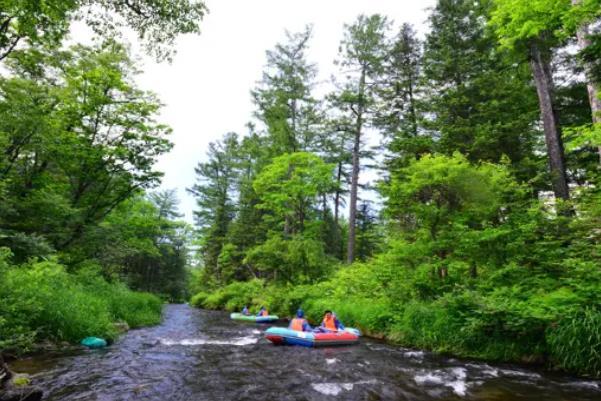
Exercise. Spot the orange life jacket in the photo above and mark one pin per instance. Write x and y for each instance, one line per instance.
(297, 324)
(265, 313)
(330, 323)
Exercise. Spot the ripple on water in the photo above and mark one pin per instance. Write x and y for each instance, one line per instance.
(455, 378)
(239, 341)
(337, 388)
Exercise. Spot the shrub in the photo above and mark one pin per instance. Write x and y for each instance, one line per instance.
(42, 301)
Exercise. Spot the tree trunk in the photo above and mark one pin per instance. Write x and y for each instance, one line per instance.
(355, 173)
(592, 86)
(338, 190)
(544, 86)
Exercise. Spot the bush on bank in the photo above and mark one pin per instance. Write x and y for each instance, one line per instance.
(42, 301)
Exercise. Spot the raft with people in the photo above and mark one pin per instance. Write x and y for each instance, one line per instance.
(262, 317)
(331, 332)
(284, 336)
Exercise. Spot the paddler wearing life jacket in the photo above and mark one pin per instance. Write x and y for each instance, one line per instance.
(263, 312)
(299, 323)
(245, 311)
(330, 322)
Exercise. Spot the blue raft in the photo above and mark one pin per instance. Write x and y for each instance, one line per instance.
(281, 335)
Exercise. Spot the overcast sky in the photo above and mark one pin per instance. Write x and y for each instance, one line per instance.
(206, 88)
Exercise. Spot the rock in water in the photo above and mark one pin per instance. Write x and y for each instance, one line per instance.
(9, 391)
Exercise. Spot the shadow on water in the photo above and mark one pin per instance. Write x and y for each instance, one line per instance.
(202, 355)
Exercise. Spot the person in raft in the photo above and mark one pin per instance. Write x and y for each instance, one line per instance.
(299, 323)
(245, 311)
(263, 312)
(330, 322)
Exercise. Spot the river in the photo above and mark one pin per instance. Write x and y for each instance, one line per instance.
(197, 355)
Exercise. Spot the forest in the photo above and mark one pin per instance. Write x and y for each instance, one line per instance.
(443, 194)
(480, 235)
(86, 240)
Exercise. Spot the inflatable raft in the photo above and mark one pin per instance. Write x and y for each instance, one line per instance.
(253, 318)
(281, 335)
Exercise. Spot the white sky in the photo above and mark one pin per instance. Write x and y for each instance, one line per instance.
(206, 90)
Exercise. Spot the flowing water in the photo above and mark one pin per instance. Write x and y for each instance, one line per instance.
(199, 355)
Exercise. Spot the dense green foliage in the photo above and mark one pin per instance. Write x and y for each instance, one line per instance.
(79, 227)
(41, 300)
(470, 253)
(157, 22)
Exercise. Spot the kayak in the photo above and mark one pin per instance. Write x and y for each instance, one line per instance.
(281, 335)
(252, 318)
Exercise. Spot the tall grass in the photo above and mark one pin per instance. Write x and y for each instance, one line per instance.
(575, 342)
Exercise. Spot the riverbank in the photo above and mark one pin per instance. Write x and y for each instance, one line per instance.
(539, 326)
(45, 304)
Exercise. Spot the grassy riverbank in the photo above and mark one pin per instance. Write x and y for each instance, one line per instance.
(41, 301)
(505, 317)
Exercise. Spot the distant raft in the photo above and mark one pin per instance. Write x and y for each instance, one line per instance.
(252, 318)
(93, 342)
(284, 336)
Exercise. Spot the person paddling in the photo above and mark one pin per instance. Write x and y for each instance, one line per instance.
(263, 312)
(299, 323)
(330, 322)
(245, 311)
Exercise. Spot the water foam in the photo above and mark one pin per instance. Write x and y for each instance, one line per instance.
(240, 341)
(485, 369)
(331, 361)
(414, 354)
(336, 388)
(455, 379)
(332, 388)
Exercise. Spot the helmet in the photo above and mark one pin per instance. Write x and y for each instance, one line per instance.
(300, 313)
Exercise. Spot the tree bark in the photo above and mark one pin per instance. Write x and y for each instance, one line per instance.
(355, 172)
(541, 72)
(593, 87)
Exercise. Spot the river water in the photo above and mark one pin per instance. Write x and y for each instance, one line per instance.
(197, 355)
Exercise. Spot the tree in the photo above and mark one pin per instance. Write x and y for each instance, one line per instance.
(139, 244)
(284, 101)
(157, 23)
(582, 14)
(529, 29)
(476, 99)
(442, 202)
(167, 204)
(79, 138)
(368, 237)
(213, 191)
(290, 187)
(399, 117)
(362, 51)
